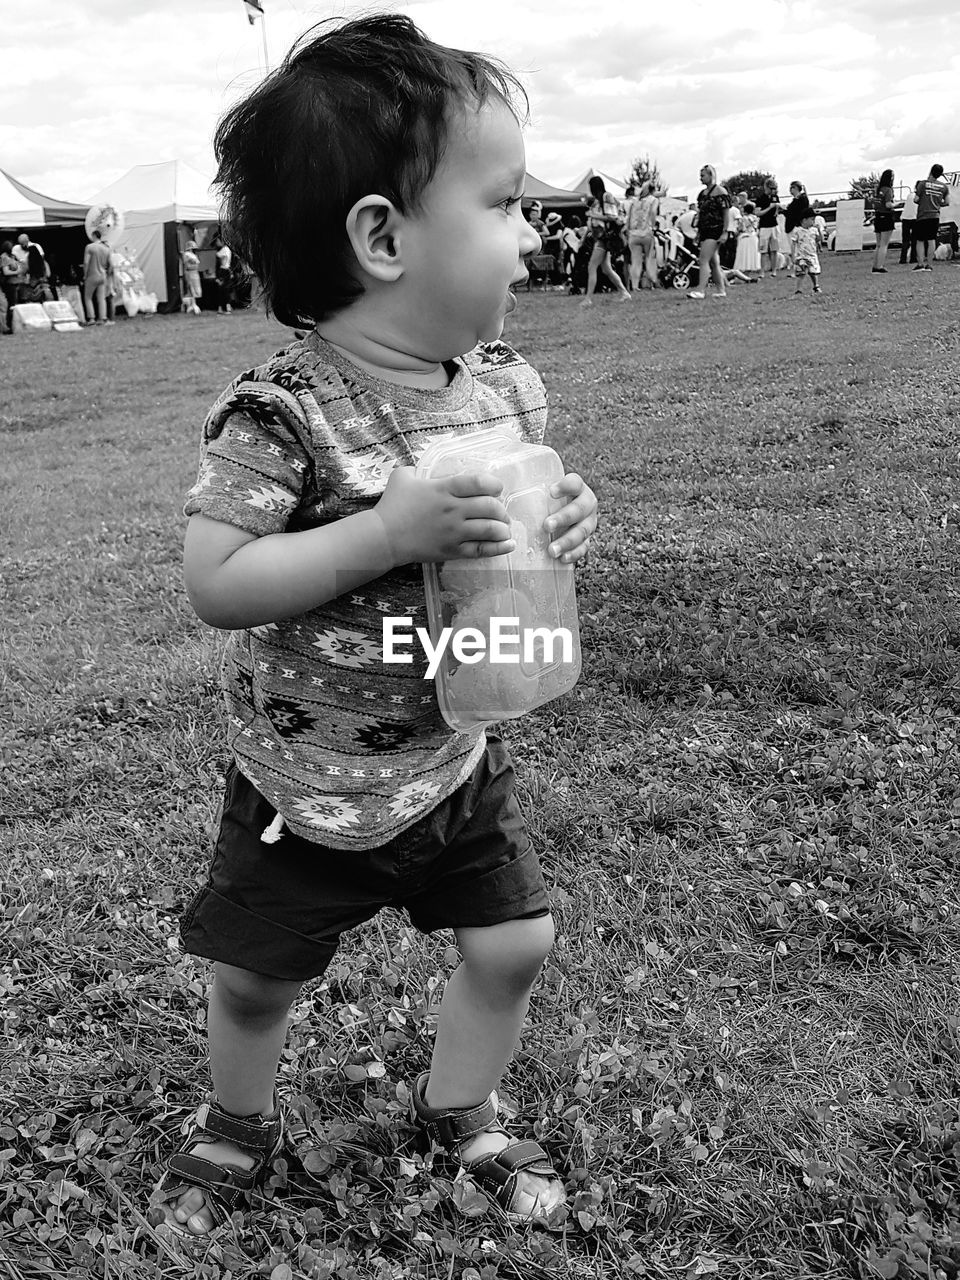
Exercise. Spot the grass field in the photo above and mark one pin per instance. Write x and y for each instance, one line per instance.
(743, 1050)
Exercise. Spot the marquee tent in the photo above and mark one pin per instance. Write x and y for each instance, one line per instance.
(163, 205)
(550, 197)
(613, 185)
(56, 225)
(21, 206)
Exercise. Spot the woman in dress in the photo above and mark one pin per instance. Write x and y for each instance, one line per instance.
(883, 220)
(603, 224)
(713, 205)
(192, 288)
(748, 244)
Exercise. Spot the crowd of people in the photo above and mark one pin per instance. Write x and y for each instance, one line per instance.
(223, 280)
(622, 246)
(26, 277)
(724, 238)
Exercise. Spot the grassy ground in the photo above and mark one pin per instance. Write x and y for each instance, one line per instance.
(743, 1050)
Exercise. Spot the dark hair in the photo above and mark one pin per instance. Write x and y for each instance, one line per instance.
(36, 267)
(576, 220)
(936, 171)
(6, 247)
(748, 206)
(362, 107)
(886, 179)
(597, 189)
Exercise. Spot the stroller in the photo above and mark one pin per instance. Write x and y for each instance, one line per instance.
(680, 271)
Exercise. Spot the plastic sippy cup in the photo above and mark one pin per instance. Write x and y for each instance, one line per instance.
(514, 638)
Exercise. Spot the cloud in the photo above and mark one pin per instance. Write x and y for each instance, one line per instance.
(929, 138)
(821, 89)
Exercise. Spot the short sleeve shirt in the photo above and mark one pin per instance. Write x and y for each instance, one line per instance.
(348, 748)
(931, 194)
(768, 219)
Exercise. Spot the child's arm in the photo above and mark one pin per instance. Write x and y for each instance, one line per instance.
(573, 524)
(235, 579)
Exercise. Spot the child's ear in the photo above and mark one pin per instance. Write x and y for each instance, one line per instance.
(372, 227)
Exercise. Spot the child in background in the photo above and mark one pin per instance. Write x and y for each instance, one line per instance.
(748, 246)
(373, 184)
(806, 256)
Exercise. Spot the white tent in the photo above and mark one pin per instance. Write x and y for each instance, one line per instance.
(15, 209)
(163, 206)
(171, 191)
(613, 185)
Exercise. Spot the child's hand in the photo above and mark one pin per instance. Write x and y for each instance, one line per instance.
(457, 517)
(575, 522)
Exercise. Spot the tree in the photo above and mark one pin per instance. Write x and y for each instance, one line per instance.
(751, 181)
(645, 170)
(864, 187)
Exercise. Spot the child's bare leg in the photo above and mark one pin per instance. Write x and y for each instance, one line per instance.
(482, 1011)
(247, 1025)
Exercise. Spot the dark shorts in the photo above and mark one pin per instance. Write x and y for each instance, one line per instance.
(926, 229)
(884, 222)
(279, 909)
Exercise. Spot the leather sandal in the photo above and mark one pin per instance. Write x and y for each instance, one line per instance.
(498, 1173)
(226, 1187)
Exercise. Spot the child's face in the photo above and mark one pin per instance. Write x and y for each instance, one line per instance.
(809, 221)
(465, 246)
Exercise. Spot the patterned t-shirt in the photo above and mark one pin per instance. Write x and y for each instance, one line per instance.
(805, 250)
(349, 749)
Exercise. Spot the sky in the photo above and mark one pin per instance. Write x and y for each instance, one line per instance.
(817, 90)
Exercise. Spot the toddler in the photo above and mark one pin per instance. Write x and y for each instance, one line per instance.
(806, 256)
(373, 183)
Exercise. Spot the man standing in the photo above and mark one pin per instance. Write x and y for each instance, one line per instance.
(908, 219)
(932, 194)
(768, 207)
(21, 251)
(224, 275)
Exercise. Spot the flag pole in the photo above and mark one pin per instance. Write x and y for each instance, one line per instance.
(255, 13)
(263, 33)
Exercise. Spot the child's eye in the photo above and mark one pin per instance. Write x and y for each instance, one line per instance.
(510, 203)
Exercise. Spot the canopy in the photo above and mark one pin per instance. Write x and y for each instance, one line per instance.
(171, 191)
(21, 206)
(554, 197)
(613, 185)
(156, 200)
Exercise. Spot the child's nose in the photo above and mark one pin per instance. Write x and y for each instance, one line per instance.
(530, 242)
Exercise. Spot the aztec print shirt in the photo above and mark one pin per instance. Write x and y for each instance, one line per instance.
(349, 749)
